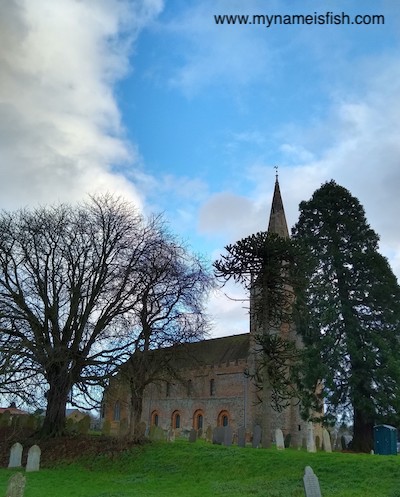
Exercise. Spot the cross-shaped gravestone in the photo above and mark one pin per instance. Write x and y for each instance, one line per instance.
(16, 485)
(311, 483)
(33, 462)
(15, 456)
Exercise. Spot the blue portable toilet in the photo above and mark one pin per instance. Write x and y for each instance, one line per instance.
(385, 440)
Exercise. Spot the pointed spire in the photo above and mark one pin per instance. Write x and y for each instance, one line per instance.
(277, 219)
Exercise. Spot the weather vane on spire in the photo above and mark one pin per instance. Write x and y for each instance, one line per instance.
(276, 171)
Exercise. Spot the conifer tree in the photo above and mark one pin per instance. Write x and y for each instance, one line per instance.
(352, 325)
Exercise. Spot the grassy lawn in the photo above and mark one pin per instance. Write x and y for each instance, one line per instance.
(204, 470)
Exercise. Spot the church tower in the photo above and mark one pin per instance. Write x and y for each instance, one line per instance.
(288, 419)
(277, 219)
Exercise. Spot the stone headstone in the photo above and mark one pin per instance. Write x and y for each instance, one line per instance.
(192, 435)
(33, 462)
(15, 456)
(209, 434)
(326, 439)
(156, 433)
(242, 436)
(228, 436)
(257, 436)
(317, 442)
(171, 436)
(218, 435)
(280, 443)
(311, 483)
(16, 485)
(310, 438)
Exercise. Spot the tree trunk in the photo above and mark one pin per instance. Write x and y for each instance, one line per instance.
(362, 432)
(136, 409)
(57, 397)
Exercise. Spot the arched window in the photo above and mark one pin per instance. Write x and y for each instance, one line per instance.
(198, 420)
(223, 418)
(117, 411)
(176, 420)
(154, 418)
(189, 388)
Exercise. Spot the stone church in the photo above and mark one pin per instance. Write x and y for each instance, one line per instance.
(213, 385)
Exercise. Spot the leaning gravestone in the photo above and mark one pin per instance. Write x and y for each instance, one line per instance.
(310, 438)
(326, 440)
(33, 462)
(192, 435)
(228, 436)
(16, 485)
(15, 456)
(311, 483)
(256, 436)
(242, 436)
(280, 443)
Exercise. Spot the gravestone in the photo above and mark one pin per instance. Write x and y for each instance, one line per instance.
(218, 435)
(33, 462)
(257, 436)
(192, 435)
(171, 435)
(287, 440)
(310, 438)
(228, 435)
(16, 485)
(311, 483)
(209, 434)
(326, 440)
(317, 442)
(156, 433)
(280, 443)
(242, 436)
(15, 456)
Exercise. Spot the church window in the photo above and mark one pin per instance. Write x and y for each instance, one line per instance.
(189, 388)
(117, 411)
(198, 420)
(223, 418)
(154, 418)
(212, 388)
(176, 420)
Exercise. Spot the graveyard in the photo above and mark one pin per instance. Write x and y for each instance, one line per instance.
(200, 468)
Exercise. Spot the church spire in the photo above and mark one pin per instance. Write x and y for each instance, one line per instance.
(277, 219)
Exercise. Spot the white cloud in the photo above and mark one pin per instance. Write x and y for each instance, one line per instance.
(60, 128)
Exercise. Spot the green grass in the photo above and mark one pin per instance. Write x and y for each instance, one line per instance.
(203, 470)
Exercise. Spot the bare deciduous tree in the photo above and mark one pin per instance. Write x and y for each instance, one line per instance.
(72, 281)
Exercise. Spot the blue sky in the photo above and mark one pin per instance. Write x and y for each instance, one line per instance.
(152, 100)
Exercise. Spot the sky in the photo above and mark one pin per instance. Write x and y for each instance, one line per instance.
(154, 101)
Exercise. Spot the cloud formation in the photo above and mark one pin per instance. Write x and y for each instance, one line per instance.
(61, 135)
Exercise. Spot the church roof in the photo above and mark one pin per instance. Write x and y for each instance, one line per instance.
(277, 219)
(216, 351)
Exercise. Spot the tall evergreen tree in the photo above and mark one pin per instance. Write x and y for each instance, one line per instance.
(352, 325)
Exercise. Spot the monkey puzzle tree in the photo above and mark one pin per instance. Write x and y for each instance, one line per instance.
(71, 282)
(267, 266)
(352, 328)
